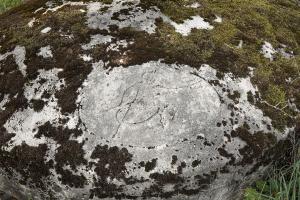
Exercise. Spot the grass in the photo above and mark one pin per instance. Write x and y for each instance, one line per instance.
(7, 4)
(283, 184)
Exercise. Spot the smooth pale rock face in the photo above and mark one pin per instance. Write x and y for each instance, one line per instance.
(91, 114)
(134, 105)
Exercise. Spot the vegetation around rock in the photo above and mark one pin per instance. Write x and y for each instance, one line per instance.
(255, 39)
(7, 4)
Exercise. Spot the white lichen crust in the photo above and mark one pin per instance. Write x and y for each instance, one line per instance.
(99, 119)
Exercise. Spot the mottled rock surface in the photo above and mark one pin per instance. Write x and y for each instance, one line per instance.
(121, 100)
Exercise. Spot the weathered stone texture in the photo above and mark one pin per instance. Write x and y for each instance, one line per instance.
(93, 107)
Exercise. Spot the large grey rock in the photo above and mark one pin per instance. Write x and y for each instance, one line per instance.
(89, 111)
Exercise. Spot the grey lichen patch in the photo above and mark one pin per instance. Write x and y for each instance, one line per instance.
(135, 17)
(96, 40)
(268, 51)
(132, 14)
(5, 99)
(46, 30)
(121, 44)
(19, 54)
(31, 22)
(54, 6)
(196, 22)
(24, 122)
(45, 52)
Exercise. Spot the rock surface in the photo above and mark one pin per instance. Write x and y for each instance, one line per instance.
(93, 106)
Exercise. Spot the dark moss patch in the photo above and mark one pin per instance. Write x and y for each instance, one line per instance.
(75, 72)
(59, 134)
(202, 182)
(149, 165)
(225, 154)
(111, 164)
(195, 163)
(208, 143)
(206, 179)
(8, 65)
(111, 161)
(69, 21)
(12, 83)
(166, 178)
(18, 103)
(5, 196)
(70, 153)
(181, 167)
(5, 136)
(282, 154)
(169, 178)
(250, 97)
(175, 9)
(38, 105)
(256, 144)
(102, 1)
(144, 49)
(174, 160)
(68, 178)
(28, 161)
(226, 59)
(105, 190)
(235, 96)
(17, 14)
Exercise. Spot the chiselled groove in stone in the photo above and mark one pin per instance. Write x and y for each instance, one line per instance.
(128, 109)
(147, 119)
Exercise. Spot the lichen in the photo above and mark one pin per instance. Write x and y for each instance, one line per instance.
(257, 94)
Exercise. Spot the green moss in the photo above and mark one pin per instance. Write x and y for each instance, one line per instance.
(277, 83)
(263, 76)
(250, 21)
(224, 33)
(194, 49)
(285, 36)
(175, 9)
(276, 95)
(7, 4)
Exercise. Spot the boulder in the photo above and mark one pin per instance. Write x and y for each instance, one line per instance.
(115, 99)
